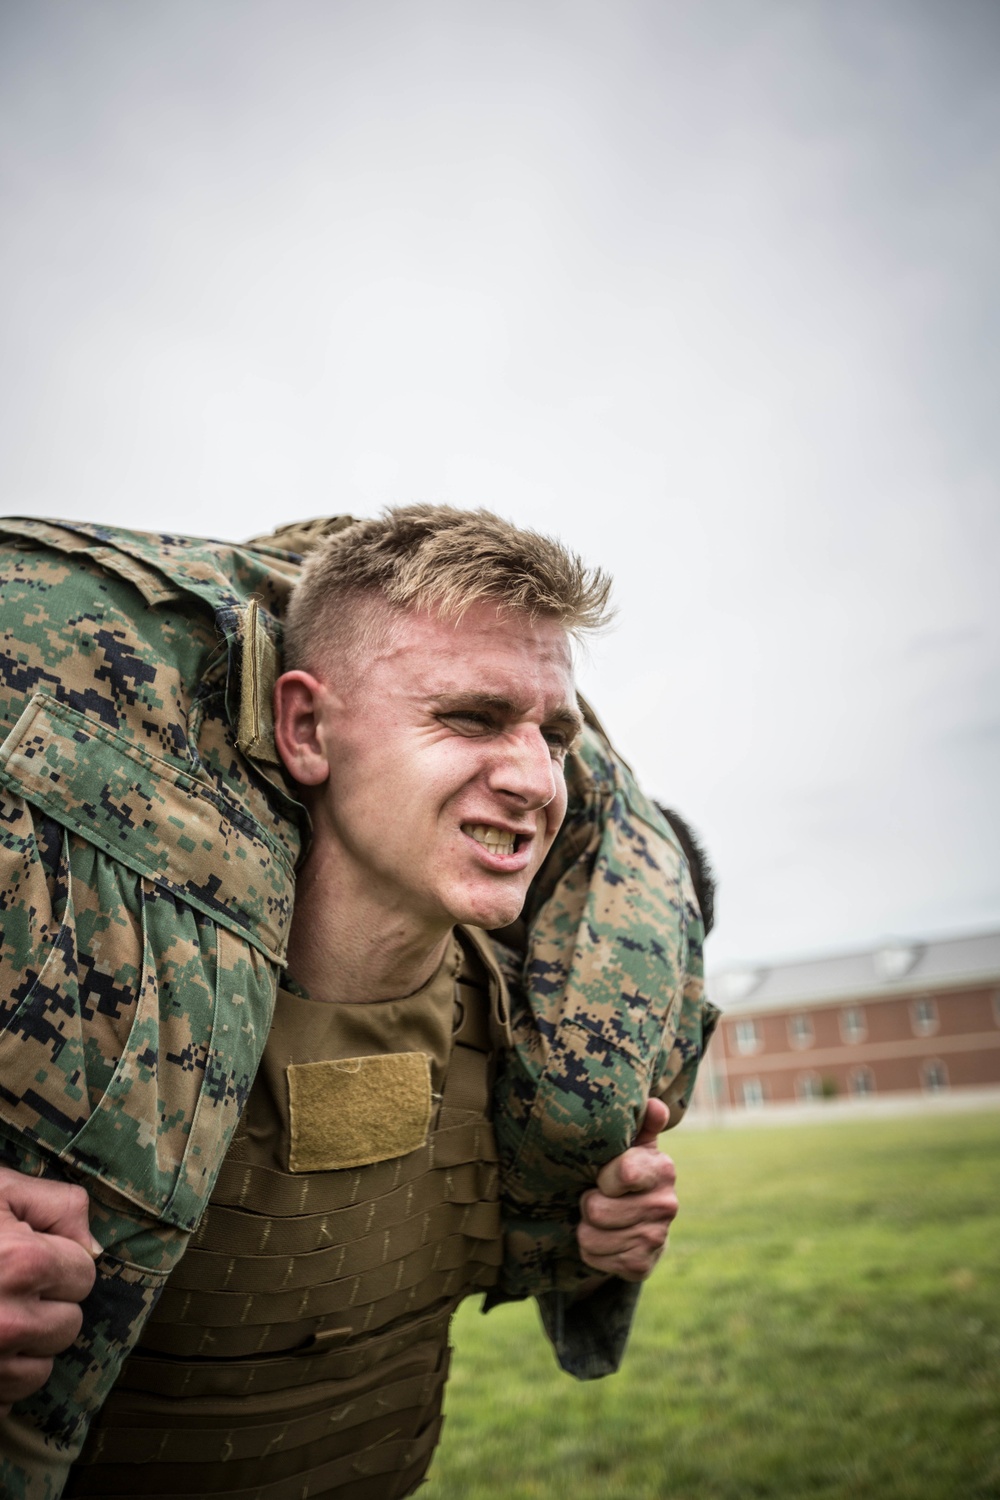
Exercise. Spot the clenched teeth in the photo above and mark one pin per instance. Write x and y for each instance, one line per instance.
(494, 839)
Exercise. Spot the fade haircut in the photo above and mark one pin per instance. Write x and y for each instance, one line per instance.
(432, 557)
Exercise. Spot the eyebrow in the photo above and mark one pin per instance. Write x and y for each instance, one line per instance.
(566, 718)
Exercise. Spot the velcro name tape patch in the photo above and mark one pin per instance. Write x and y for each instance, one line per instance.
(354, 1111)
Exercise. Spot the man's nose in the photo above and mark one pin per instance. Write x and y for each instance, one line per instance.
(524, 768)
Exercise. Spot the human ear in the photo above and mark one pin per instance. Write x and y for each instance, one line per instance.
(298, 728)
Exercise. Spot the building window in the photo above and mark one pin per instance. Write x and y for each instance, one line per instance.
(934, 1076)
(800, 1031)
(753, 1093)
(924, 1015)
(853, 1027)
(862, 1082)
(809, 1086)
(747, 1036)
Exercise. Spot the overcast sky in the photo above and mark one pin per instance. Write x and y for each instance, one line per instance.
(708, 289)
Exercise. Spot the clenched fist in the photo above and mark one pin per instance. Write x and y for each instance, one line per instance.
(47, 1258)
(625, 1219)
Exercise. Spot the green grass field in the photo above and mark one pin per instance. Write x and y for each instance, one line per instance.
(826, 1323)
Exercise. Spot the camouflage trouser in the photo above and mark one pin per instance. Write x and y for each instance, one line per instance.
(113, 990)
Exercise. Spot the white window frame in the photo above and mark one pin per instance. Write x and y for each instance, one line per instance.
(808, 1087)
(752, 1091)
(924, 1025)
(934, 1085)
(855, 1077)
(850, 1033)
(747, 1035)
(801, 1031)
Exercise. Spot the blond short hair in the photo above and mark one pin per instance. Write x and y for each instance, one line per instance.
(433, 557)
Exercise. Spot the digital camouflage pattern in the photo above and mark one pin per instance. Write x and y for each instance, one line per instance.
(606, 977)
(146, 878)
(148, 866)
(148, 838)
(43, 1435)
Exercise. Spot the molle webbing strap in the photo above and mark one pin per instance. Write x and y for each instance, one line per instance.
(244, 1341)
(242, 1184)
(254, 1389)
(300, 1348)
(220, 1310)
(171, 1389)
(375, 1473)
(306, 1422)
(430, 1219)
(236, 1233)
(470, 1074)
(152, 817)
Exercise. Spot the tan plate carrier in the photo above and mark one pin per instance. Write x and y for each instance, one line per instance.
(301, 1346)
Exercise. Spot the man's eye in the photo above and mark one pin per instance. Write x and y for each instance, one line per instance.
(557, 741)
(470, 722)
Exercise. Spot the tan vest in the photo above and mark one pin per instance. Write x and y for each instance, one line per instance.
(300, 1349)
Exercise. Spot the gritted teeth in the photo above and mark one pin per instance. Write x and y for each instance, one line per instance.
(495, 839)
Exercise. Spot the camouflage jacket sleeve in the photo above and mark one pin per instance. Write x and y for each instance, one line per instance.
(145, 893)
(608, 1008)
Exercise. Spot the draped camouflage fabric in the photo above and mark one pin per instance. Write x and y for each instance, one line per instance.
(606, 976)
(148, 838)
(146, 880)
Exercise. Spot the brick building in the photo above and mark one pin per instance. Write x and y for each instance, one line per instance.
(906, 1018)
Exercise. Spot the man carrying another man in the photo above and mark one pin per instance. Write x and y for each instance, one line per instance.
(426, 715)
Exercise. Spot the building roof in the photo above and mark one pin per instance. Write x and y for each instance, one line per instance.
(894, 968)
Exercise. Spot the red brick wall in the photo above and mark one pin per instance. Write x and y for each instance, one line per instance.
(965, 1039)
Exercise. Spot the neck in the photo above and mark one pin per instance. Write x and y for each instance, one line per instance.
(347, 946)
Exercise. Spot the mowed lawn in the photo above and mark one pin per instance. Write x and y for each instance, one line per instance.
(825, 1323)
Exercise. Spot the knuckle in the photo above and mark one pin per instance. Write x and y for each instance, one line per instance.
(15, 1328)
(592, 1239)
(24, 1262)
(88, 1276)
(665, 1175)
(77, 1199)
(22, 1377)
(667, 1206)
(69, 1325)
(599, 1212)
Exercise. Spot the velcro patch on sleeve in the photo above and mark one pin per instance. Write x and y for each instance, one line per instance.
(357, 1110)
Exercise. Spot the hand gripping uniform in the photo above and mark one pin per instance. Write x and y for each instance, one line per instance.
(148, 838)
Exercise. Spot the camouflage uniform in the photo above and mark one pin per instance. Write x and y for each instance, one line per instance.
(146, 891)
(148, 838)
